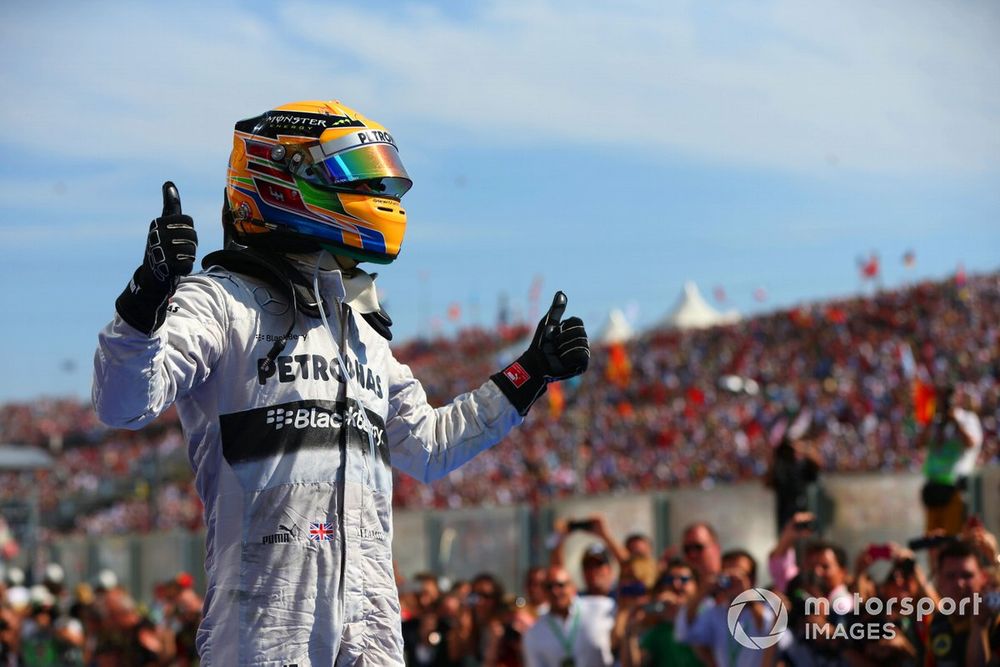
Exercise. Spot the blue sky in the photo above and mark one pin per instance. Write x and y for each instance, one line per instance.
(614, 150)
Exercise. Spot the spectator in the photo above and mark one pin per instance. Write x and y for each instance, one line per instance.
(827, 574)
(537, 602)
(634, 556)
(702, 551)
(812, 637)
(454, 630)
(486, 602)
(69, 642)
(418, 600)
(127, 639)
(10, 632)
(795, 467)
(953, 440)
(185, 622)
(632, 595)
(598, 576)
(961, 638)
(649, 634)
(38, 645)
(906, 579)
(576, 630)
(640, 562)
(710, 635)
(782, 560)
(595, 564)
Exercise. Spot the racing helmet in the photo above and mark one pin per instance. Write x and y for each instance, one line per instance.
(316, 175)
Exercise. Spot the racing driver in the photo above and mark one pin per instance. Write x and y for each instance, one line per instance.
(277, 357)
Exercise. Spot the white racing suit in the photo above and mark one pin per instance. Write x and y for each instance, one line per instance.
(298, 510)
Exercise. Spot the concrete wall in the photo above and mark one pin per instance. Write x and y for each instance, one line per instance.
(863, 508)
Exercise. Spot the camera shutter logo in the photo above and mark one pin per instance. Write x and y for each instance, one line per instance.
(279, 417)
(780, 618)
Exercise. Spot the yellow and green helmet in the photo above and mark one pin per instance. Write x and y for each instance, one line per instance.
(311, 175)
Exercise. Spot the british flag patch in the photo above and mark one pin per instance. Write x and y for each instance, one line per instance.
(320, 532)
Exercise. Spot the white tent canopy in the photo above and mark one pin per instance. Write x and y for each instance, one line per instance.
(693, 312)
(617, 329)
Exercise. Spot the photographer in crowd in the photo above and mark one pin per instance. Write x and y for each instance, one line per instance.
(595, 563)
(905, 580)
(710, 634)
(953, 440)
(649, 630)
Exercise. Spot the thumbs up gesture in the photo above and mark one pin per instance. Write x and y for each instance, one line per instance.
(172, 241)
(563, 343)
(559, 350)
(170, 252)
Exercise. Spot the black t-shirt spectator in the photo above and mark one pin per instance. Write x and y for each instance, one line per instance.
(791, 476)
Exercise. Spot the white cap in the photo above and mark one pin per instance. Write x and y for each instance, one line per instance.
(106, 579)
(72, 627)
(39, 595)
(15, 576)
(54, 573)
(18, 597)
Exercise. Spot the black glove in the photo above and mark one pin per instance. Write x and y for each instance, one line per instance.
(170, 251)
(559, 350)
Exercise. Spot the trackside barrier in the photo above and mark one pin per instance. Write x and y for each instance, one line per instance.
(506, 541)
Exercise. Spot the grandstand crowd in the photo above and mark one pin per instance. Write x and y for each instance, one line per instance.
(667, 408)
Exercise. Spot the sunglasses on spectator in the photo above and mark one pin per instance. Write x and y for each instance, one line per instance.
(695, 547)
(551, 585)
(675, 578)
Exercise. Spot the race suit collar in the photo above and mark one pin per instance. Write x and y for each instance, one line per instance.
(355, 286)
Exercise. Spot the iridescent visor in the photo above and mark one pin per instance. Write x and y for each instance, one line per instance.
(377, 165)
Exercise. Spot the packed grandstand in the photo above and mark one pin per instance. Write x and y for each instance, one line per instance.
(668, 407)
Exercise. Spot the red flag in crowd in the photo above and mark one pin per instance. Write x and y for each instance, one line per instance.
(835, 315)
(870, 268)
(923, 401)
(960, 277)
(454, 311)
(619, 370)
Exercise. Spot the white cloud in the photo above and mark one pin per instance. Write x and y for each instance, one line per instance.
(784, 84)
(894, 87)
